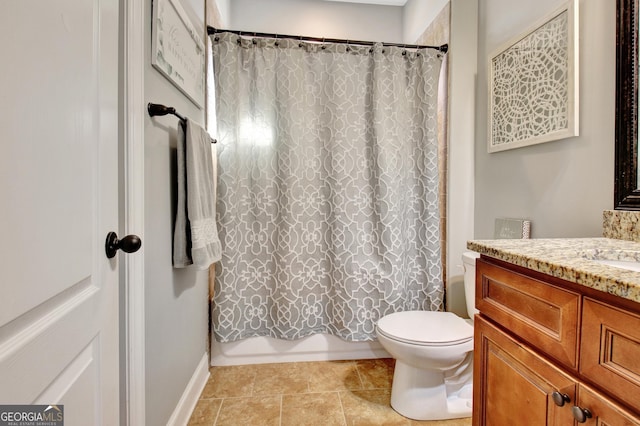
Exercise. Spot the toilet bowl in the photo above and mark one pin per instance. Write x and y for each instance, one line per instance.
(434, 357)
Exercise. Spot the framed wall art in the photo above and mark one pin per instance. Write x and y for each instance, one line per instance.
(177, 50)
(533, 83)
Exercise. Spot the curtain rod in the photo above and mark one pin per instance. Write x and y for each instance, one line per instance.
(211, 30)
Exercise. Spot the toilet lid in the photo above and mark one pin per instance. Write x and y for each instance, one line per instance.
(426, 328)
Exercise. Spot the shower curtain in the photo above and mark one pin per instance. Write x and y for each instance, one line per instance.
(327, 189)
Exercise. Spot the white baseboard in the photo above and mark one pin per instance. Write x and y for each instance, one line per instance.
(189, 399)
(318, 347)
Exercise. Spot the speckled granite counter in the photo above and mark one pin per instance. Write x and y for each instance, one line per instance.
(572, 259)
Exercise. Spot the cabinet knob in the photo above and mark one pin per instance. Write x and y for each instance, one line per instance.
(581, 414)
(560, 398)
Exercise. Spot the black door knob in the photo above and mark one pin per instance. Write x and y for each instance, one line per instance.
(128, 244)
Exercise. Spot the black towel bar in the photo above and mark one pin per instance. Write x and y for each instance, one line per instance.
(159, 109)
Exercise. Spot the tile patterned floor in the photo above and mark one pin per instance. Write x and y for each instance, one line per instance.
(346, 393)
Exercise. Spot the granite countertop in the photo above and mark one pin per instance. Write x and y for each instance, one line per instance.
(572, 259)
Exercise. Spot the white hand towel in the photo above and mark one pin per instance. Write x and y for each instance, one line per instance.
(195, 239)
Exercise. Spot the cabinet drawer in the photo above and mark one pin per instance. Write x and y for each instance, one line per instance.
(541, 314)
(610, 350)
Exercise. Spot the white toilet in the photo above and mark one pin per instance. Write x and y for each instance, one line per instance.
(434, 357)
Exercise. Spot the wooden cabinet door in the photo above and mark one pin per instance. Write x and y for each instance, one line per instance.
(603, 411)
(515, 386)
(610, 350)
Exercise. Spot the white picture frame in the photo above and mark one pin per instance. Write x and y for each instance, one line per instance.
(533, 83)
(177, 49)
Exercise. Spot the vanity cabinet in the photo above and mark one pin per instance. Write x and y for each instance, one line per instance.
(548, 352)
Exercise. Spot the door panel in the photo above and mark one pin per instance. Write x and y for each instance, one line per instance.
(49, 96)
(58, 186)
(83, 372)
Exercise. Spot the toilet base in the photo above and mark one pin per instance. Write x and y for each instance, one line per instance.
(422, 395)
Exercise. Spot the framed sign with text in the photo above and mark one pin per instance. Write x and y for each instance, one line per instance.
(177, 49)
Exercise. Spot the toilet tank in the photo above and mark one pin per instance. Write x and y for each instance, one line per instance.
(469, 265)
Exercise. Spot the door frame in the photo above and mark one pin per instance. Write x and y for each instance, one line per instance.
(132, 314)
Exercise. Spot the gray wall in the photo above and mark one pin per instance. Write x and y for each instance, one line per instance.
(562, 186)
(176, 306)
(318, 18)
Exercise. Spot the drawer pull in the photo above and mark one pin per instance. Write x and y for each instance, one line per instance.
(581, 414)
(560, 398)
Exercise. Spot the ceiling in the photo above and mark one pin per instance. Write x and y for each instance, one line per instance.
(384, 2)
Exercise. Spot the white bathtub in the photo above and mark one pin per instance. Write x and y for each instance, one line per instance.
(319, 347)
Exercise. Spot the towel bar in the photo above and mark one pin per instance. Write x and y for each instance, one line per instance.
(159, 110)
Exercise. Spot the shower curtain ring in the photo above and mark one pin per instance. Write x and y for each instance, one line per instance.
(323, 46)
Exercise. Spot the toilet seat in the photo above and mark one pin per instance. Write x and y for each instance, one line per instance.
(426, 328)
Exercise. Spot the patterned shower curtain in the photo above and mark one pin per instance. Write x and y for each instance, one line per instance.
(327, 189)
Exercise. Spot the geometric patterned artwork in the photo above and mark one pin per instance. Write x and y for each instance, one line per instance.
(327, 196)
(533, 85)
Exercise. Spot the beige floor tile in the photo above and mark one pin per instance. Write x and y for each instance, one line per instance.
(373, 407)
(333, 376)
(354, 393)
(232, 381)
(452, 422)
(254, 411)
(205, 412)
(376, 373)
(277, 379)
(370, 407)
(312, 409)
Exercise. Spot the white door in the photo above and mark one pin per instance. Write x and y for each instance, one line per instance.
(58, 201)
